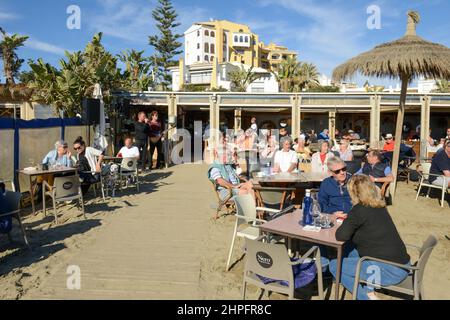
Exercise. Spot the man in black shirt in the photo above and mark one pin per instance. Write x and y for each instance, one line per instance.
(440, 165)
(141, 129)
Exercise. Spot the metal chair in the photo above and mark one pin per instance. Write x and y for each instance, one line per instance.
(272, 261)
(413, 284)
(64, 189)
(425, 182)
(272, 196)
(129, 169)
(247, 223)
(10, 206)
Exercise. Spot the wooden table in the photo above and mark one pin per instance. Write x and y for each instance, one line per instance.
(33, 174)
(288, 226)
(285, 177)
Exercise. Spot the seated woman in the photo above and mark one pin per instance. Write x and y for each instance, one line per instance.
(319, 159)
(89, 162)
(285, 159)
(345, 153)
(59, 156)
(371, 230)
(267, 148)
(303, 152)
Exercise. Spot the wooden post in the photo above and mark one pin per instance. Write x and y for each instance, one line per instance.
(295, 116)
(214, 121)
(237, 119)
(424, 125)
(332, 124)
(398, 133)
(375, 102)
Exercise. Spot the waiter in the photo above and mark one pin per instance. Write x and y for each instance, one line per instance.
(141, 136)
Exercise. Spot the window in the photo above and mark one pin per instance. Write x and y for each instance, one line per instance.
(235, 38)
(198, 45)
(241, 39)
(211, 59)
(246, 38)
(206, 58)
(212, 34)
(206, 48)
(198, 58)
(206, 33)
(212, 49)
(198, 33)
(224, 37)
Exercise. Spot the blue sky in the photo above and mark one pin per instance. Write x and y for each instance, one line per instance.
(325, 32)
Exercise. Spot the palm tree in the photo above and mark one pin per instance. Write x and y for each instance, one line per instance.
(295, 76)
(443, 86)
(136, 75)
(241, 78)
(11, 62)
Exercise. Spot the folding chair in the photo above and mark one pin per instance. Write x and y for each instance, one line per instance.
(272, 261)
(413, 284)
(129, 169)
(10, 206)
(227, 203)
(425, 182)
(64, 189)
(247, 224)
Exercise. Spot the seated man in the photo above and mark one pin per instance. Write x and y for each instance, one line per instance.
(224, 176)
(440, 165)
(285, 159)
(389, 144)
(333, 193)
(377, 171)
(128, 150)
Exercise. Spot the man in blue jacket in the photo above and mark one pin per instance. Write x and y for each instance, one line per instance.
(333, 193)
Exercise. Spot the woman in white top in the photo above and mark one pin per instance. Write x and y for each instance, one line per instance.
(345, 153)
(319, 159)
(285, 159)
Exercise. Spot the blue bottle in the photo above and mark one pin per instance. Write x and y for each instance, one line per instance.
(307, 208)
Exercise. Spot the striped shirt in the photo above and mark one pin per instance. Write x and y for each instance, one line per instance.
(216, 174)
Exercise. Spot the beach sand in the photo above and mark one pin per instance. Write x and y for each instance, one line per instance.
(171, 218)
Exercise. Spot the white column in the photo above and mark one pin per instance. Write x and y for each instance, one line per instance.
(424, 124)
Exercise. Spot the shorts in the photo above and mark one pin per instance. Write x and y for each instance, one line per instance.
(439, 181)
(224, 193)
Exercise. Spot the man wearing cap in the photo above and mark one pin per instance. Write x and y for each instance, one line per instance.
(389, 144)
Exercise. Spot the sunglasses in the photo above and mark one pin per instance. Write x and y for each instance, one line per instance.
(344, 169)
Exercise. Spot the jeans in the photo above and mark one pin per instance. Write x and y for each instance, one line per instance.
(377, 272)
(160, 157)
(142, 146)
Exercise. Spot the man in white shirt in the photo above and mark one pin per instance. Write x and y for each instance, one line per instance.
(253, 125)
(285, 159)
(129, 151)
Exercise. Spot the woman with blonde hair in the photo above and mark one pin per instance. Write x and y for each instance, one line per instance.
(370, 229)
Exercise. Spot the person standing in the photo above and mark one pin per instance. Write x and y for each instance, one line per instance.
(141, 137)
(254, 125)
(155, 135)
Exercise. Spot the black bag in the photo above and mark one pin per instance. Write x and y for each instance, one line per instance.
(414, 175)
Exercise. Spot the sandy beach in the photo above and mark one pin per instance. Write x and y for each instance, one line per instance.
(162, 243)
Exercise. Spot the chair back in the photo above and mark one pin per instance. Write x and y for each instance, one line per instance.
(129, 164)
(269, 260)
(426, 166)
(66, 186)
(353, 166)
(424, 255)
(245, 206)
(9, 203)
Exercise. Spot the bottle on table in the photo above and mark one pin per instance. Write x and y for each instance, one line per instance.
(307, 208)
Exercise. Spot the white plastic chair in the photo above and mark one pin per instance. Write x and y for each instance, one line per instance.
(129, 169)
(64, 189)
(425, 182)
(247, 223)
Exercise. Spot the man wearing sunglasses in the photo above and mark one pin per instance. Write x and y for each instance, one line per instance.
(333, 194)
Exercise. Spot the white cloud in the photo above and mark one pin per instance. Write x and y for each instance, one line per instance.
(45, 47)
(8, 16)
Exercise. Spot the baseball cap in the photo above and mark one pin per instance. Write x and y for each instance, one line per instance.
(351, 131)
(389, 136)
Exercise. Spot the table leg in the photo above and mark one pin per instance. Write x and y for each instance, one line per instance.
(338, 272)
(32, 195)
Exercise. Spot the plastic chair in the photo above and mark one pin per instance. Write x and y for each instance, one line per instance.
(247, 223)
(64, 189)
(272, 261)
(129, 169)
(413, 284)
(10, 206)
(425, 182)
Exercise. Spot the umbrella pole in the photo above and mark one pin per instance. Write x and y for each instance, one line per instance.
(398, 133)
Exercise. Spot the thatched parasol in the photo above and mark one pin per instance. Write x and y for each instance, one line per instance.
(406, 58)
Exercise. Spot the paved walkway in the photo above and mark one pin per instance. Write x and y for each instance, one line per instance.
(149, 250)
